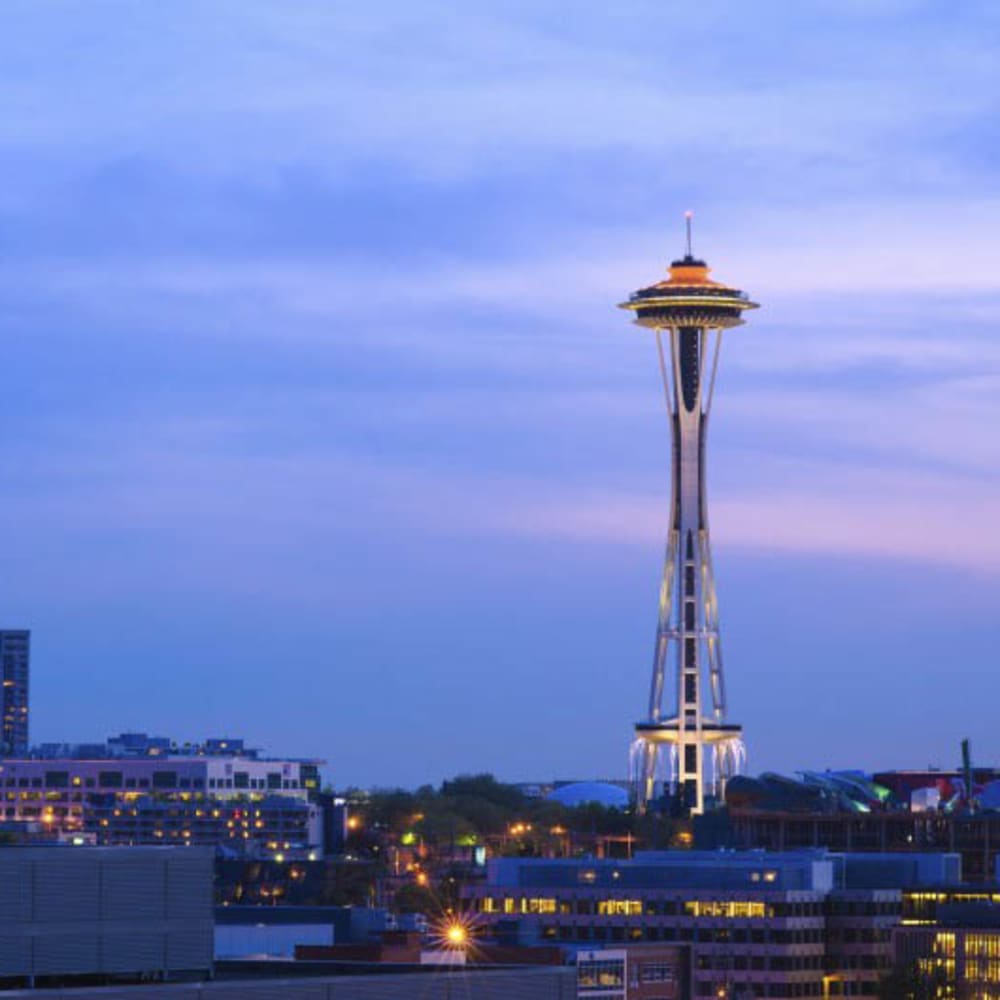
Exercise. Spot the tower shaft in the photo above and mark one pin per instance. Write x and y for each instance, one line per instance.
(688, 649)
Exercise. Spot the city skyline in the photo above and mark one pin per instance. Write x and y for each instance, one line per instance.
(320, 421)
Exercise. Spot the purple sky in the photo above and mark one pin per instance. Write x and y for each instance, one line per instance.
(320, 426)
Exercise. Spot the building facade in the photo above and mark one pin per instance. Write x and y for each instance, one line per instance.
(68, 912)
(952, 950)
(754, 924)
(15, 661)
(975, 837)
(633, 972)
(433, 983)
(250, 805)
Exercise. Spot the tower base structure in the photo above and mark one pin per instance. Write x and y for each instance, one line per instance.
(687, 768)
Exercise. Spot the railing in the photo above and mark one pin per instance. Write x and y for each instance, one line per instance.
(681, 291)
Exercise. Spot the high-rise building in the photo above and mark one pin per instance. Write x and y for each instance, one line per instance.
(692, 748)
(15, 655)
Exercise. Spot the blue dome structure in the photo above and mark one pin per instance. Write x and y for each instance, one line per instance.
(582, 792)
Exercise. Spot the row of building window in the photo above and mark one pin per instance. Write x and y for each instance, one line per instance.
(159, 779)
(586, 906)
(868, 908)
(106, 779)
(604, 974)
(793, 963)
(702, 935)
(241, 780)
(761, 963)
(859, 935)
(708, 987)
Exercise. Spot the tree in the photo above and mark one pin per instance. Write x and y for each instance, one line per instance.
(910, 982)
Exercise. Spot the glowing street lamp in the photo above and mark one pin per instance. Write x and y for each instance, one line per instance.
(457, 936)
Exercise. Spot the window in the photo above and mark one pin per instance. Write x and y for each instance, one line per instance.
(731, 909)
(57, 779)
(164, 779)
(619, 907)
(657, 972)
(600, 974)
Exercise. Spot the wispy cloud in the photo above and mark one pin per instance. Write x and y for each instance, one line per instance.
(898, 517)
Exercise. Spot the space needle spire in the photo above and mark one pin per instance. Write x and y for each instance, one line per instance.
(685, 747)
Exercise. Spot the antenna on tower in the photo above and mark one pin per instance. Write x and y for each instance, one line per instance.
(688, 216)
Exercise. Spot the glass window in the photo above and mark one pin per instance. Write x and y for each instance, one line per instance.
(601, 974)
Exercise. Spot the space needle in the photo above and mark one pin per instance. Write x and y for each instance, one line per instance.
(685, 747)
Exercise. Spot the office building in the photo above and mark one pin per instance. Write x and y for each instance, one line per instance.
(806, 923)
(953, 950)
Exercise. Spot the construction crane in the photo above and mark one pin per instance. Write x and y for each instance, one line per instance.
(970, 800)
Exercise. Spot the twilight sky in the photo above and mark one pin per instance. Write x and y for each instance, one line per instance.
(319, 425)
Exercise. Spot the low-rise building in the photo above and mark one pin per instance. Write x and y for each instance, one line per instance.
(805, 923)
(252, 805)
(108, 912)
(428, 983)
(633, 972)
